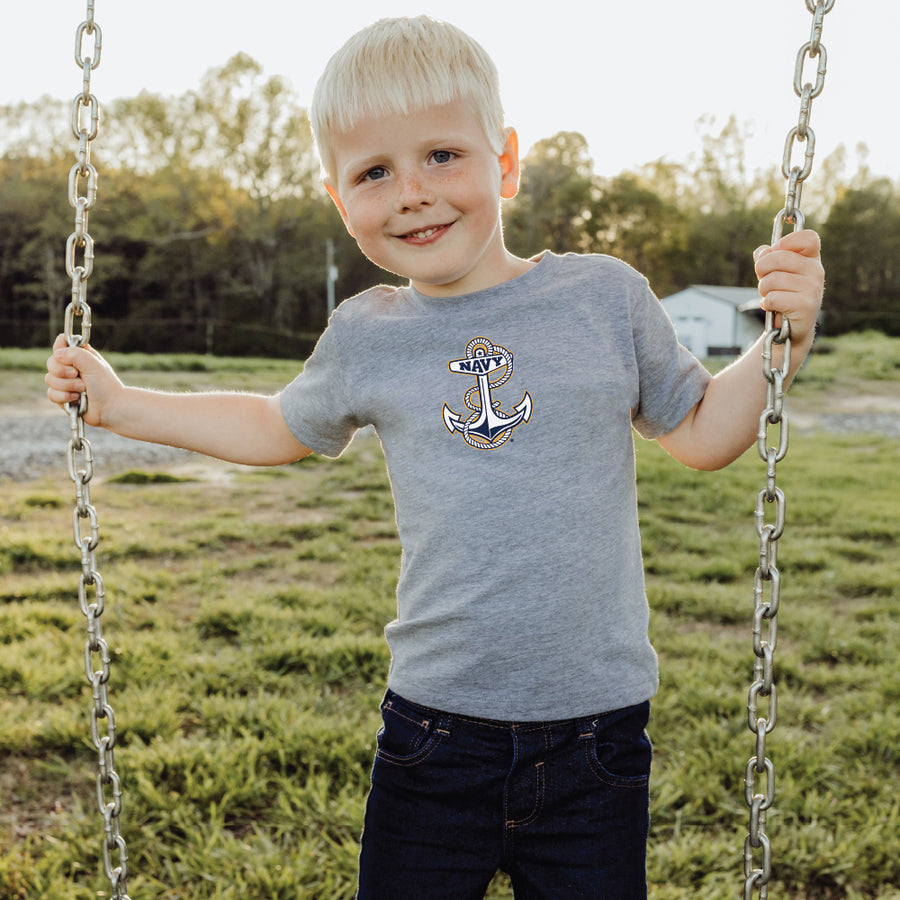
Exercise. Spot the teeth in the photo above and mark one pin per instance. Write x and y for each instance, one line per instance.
(423, 234)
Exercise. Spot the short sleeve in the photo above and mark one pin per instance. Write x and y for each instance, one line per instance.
(671, 379)
(315, 404)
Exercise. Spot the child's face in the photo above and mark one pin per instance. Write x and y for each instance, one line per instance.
(421, 196)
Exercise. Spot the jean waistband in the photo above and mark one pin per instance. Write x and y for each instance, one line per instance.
(590, 721)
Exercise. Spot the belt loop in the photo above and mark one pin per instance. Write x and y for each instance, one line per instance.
(586, 726)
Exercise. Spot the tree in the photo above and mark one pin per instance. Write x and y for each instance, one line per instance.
(34, 226)
(259, 138)
(635, 222)
(554, 200)
(730, 211)
(861, 242)
(37, 154)
(211, 225)
(237, 163)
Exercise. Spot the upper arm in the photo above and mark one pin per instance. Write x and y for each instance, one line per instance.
(724, 423)
(283, 445)
(680, 442)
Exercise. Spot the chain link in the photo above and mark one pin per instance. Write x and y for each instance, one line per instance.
(759, 775)
(82, 193)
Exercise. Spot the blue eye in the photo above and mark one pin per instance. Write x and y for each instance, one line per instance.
(442, 156)
(375, 174)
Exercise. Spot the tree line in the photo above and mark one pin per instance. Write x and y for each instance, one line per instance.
(213, 233)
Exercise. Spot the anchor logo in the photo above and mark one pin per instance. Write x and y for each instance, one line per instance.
(487, 427)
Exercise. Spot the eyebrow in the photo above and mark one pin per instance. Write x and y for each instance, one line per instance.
(442, 140)
(357, 166)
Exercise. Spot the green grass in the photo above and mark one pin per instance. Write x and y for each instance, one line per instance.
(863, 356)
(244, 622)
(22, 372)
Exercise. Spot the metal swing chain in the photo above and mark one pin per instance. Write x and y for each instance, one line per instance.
(82, 197)
(767, 580)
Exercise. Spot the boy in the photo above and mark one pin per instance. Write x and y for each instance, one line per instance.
(518, 693)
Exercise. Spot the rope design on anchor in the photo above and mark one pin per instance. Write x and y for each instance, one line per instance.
(490, 350)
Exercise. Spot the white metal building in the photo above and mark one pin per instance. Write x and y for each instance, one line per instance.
(716, 321)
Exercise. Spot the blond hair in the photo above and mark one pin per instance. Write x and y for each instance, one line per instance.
(400, 66)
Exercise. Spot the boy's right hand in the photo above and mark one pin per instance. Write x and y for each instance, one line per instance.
(72, 371)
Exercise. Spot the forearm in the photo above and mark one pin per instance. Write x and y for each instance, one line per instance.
(236, 427)
(725, 423)
(241, 428)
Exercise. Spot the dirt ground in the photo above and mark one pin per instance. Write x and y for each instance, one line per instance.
(35, 434)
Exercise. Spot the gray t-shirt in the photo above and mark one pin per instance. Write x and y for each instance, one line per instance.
(506, 421)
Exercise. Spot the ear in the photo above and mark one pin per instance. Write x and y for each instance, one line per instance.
(509, 166)
(332, 192)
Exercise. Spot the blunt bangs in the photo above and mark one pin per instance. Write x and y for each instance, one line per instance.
(400, 67)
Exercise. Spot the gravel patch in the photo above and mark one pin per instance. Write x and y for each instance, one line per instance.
(35, 445)
(867, 423)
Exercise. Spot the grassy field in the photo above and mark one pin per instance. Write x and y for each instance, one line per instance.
(244, 615)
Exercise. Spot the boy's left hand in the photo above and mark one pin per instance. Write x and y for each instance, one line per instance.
(791, 282)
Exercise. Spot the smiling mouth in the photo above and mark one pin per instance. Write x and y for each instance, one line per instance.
(424, 235)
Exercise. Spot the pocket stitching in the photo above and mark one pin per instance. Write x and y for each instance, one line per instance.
(432, 741)
(601, 772)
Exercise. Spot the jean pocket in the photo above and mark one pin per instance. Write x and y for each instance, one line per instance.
(618, 748)
(409, 733)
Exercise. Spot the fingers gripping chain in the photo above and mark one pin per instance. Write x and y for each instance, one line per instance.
(82, 193)
(761, 703)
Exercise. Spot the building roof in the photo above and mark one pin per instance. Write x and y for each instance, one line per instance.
(744, 299)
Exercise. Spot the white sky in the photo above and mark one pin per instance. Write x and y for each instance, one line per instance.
(633, 76)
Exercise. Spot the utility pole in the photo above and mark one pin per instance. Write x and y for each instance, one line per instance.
(332, 274)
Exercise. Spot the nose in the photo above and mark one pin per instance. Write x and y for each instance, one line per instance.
(413, 192)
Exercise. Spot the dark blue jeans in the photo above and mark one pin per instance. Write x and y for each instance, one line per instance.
(562, 807)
